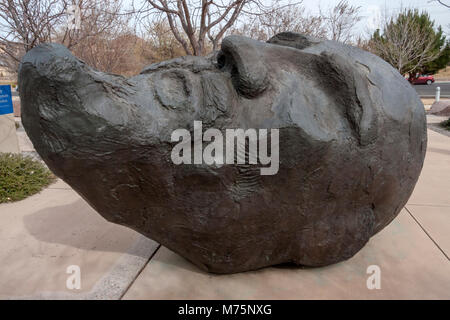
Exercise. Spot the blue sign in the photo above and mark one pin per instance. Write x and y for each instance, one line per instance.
(6, 105)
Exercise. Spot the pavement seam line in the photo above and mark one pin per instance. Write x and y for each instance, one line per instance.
(426, 232)
(429, 205)
(139, 273)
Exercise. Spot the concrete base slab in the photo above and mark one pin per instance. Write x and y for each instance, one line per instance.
(25, 144)
(436, 222)
(433, 187)
(412, 267)
(60, 184)
(43, 235)
(8, 137)
(431, 118)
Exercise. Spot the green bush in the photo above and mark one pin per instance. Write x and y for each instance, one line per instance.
(21, 177)
(446, 124)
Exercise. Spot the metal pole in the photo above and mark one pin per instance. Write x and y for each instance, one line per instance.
(438, 94)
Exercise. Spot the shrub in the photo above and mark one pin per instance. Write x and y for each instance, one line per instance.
(21, 177)
(446, 124)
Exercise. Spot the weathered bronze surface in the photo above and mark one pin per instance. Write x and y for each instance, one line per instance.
(352, 144)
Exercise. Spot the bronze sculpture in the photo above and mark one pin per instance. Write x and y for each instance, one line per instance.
(352, 140)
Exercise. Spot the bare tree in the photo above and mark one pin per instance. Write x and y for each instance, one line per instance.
(340, 21)
(405, 43)
(97, 17)
(294, 19)
(441, 2)
(252, 30)
(161, 43)
(362, 43)
(335, 24)
(26, 23)
(195, 22)
(104, 39)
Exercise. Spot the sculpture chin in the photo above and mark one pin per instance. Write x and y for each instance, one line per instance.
(352, 140)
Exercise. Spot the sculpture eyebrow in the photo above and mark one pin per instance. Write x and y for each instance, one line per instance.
(293, 40)
(191, 63)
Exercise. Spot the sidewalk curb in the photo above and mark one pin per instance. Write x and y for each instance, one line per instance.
(114, 284)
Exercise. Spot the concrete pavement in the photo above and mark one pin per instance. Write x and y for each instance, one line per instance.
(41, 236)
(411, 266)
(412, 254)
(45, 234)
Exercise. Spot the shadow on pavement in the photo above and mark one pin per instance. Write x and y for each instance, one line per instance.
(78, 225)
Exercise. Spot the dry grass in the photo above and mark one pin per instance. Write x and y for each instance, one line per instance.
(427, 101)
(12, 83)
(442, 75)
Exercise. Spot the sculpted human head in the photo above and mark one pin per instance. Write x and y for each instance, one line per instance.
(347, 122)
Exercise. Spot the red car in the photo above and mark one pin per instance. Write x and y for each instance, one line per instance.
(422, 79)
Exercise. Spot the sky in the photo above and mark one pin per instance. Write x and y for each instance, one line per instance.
(371, 11)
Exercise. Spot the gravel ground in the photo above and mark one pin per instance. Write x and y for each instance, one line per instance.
(25, 146)
(433, 123)
(436, 127)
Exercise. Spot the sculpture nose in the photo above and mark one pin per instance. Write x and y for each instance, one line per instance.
(242, 58)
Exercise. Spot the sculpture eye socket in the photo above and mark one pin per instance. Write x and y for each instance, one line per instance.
(174, 88)
(221, 60)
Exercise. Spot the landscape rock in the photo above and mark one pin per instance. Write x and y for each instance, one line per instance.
(440, 108)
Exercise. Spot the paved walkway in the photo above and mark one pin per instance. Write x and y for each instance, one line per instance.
(40, 237)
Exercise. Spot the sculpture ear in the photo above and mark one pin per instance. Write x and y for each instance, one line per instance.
(240, 56)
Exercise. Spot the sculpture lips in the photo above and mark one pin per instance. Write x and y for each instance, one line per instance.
(52, 61)
(50, 76)
(69, 108)
(352, 136)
